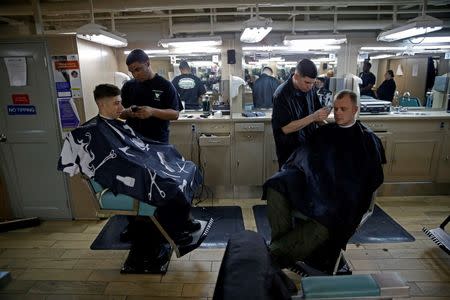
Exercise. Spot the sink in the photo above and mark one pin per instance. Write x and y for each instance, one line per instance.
(410, 113)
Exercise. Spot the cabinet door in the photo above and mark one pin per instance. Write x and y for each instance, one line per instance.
(215, 159)
(443, 174)
(249, 154)
(270, 159)
(184, 139)
(414, 156)
(386, 142)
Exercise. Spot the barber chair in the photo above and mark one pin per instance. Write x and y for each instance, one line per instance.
(139, 262)
(341, 267)
(439, 235)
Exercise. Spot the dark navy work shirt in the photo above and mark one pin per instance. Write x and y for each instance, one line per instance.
(367, 78)
(190, 88)
(386, 90)
(290, 104)
(263, 90)
(157, 93)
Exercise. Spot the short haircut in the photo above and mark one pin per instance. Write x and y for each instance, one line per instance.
(307, 68)
(390, 72)
(368, 64)
(321, 79)
(105, 90)
(184, 65)
(351, 94)
(137, 55)
(267, 68)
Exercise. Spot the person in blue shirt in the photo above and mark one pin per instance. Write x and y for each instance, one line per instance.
(368, 81)
(387, 89)
(263, 89)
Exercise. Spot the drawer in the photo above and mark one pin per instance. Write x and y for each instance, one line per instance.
(215, 127)
(245, 127)
(206, 141)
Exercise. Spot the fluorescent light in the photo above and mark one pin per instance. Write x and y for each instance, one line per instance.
(255, 29)
(381, 56)
(192, 42)
(382, 48)
(98, 34)
(191, 50)
(314, 40)
(430, 40)
(417, 26)
(150, 51)
(434, 47)
(266, 48)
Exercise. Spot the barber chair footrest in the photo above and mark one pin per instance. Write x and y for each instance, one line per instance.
(197, 237)
(138, 262)
(440, 237)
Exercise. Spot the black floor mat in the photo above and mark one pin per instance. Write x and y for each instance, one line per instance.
(227, 220)
(379, 228)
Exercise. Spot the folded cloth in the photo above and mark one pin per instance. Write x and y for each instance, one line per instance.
(120, 159)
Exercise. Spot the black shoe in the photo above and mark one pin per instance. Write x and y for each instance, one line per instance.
(182, 238)
(192, 225)
(125, 235)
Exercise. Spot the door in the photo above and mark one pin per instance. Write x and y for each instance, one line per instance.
(32, 139)
(249, 153)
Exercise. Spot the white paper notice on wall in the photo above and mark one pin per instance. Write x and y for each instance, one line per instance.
(17, 70)
(415, 70)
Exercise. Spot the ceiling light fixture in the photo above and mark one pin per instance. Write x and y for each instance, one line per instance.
(99, 34)
(256, 28)
(191, 42)
(418, 26)
(314, 40)
(430, 40)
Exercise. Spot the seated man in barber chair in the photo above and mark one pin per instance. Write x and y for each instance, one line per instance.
(106, 149)
(329, 183)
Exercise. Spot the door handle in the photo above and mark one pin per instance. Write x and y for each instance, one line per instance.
(3, 138)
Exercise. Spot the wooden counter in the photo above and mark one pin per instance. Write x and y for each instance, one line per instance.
(237, 154)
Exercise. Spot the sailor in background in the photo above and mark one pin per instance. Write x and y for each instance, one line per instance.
(189, 87)
(387, 89)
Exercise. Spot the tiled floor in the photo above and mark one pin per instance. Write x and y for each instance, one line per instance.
(53, 261)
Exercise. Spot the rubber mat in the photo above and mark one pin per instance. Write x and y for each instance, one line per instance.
(379, 228)
(227, 220)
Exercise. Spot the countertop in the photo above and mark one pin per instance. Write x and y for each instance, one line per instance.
(409, 115)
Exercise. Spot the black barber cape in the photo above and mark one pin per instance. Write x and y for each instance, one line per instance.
(118, 158)
(332, 177)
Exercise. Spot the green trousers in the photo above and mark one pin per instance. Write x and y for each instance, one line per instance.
(291, 242)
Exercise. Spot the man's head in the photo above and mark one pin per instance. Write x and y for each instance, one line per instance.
(366, 67)
(107, 97)
(267, 70)
(389, 75)
(305, 74)
(184, 67)
(320, 81)
(345, 107)
(139, 65)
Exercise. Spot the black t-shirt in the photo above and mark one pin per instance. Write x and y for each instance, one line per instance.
(263, 90)
(156, 92)
(190, 88)
(290, 104)
(367, 78)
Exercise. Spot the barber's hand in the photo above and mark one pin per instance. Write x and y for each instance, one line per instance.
(321, 114)
(143, 112)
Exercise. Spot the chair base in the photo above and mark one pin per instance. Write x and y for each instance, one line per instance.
(141, 262)
(197, 237)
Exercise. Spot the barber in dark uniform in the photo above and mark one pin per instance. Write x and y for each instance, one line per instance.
(296, 110)
(368, 81)
(150, 100)
(263, 89)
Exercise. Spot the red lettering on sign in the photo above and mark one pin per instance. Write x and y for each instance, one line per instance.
(20, 99)
(65, 65)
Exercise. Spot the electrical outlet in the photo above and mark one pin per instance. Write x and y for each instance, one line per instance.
(193, 128)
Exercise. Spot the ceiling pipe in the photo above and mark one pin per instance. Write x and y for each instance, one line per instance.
(38, 23)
